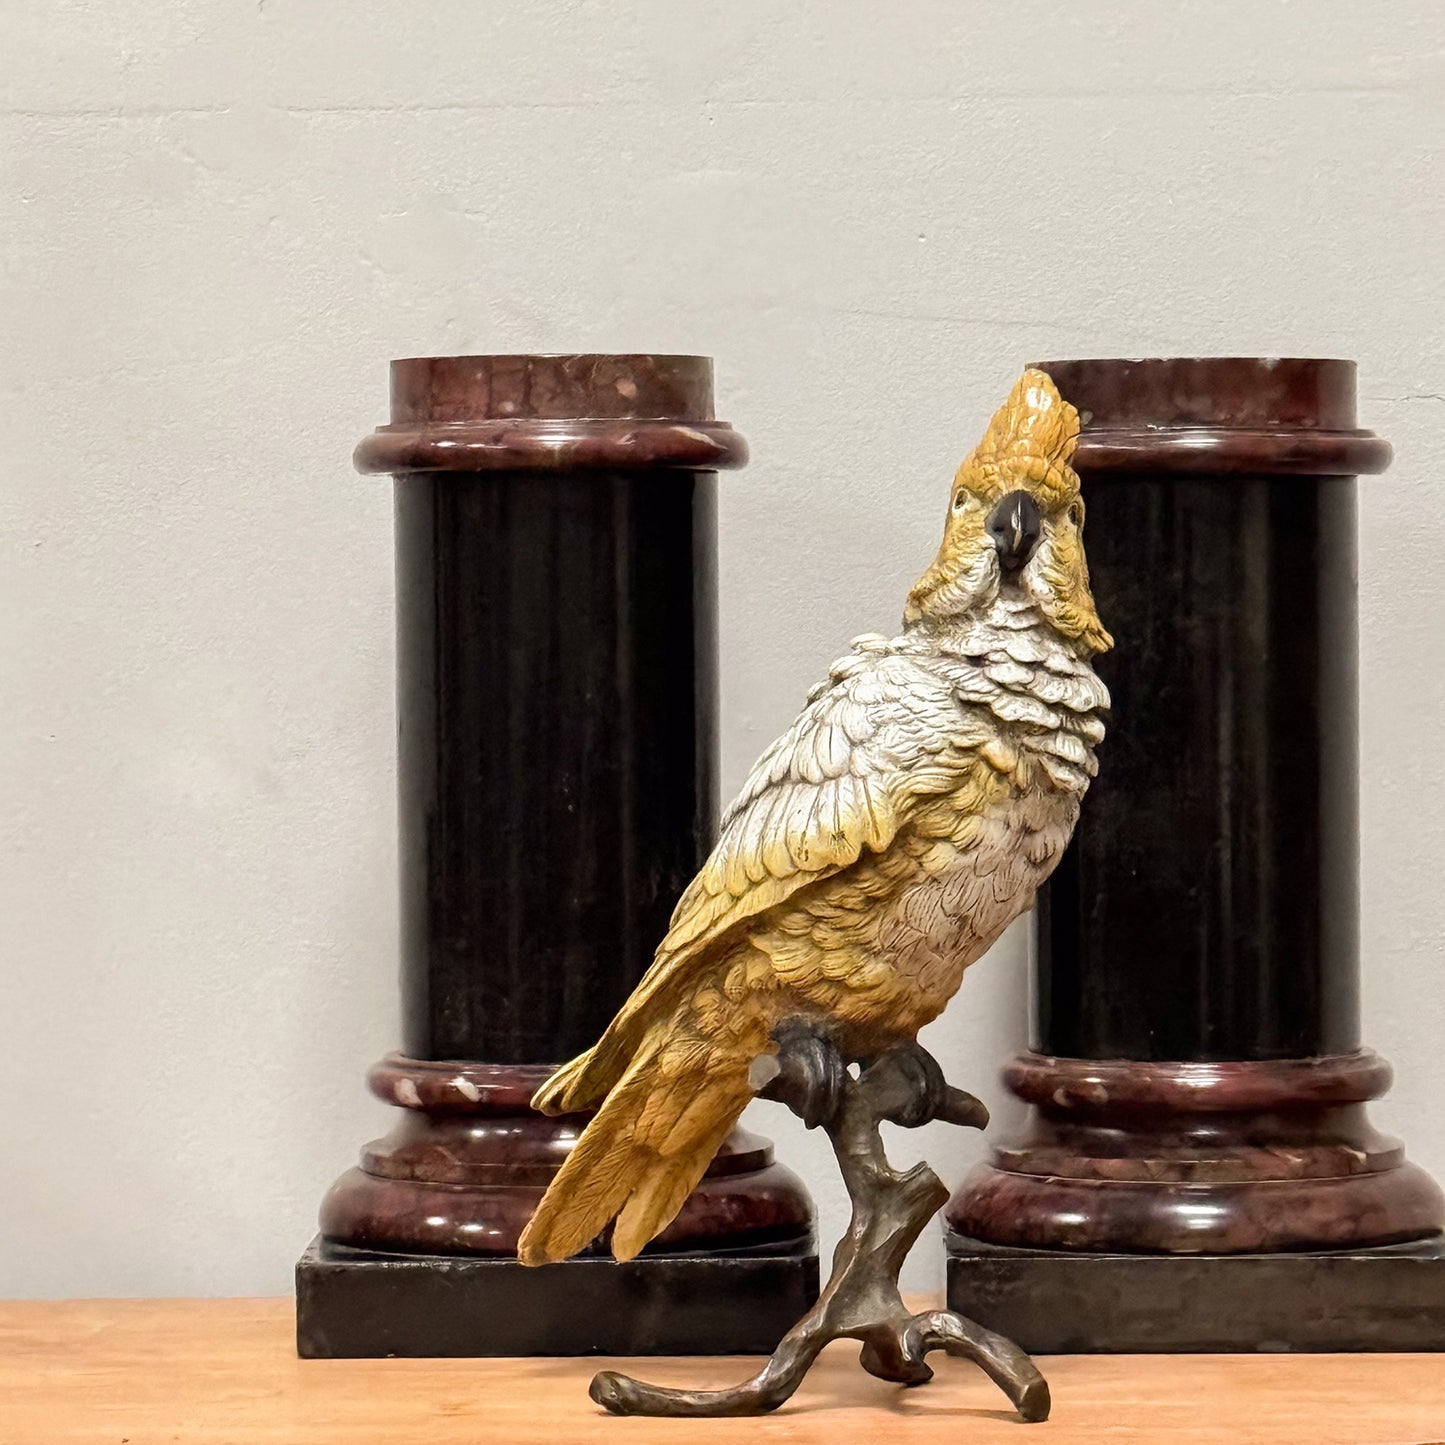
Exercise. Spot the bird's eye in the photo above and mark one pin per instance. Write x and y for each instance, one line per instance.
(960, 501)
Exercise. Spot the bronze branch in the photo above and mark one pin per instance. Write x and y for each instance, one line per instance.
(861, 1300)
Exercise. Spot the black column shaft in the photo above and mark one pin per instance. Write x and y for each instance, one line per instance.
(1207, 908)
(1219, 921)
(557, 698)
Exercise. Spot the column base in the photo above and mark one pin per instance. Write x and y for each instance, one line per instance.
(363, 1304)
(417, 1251)
(1238, 1157)
(1390, 1298)
(469, 1160)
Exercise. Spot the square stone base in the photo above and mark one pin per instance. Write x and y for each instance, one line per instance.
(1050, 1302)
(355, 1304)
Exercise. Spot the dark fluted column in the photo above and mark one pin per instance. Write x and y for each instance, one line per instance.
(557, 710)
(1196, 1080)
(557, 701)
(1220, 921)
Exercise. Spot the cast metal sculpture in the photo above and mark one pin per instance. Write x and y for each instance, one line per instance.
(877, 849)
(861, 1299)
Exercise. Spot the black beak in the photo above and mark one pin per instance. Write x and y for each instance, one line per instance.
(1014, 526)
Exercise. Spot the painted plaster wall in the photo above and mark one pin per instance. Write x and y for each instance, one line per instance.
(217, 222)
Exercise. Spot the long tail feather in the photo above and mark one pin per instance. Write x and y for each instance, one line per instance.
(644, 1152)
(566, 1088)
(656, 1201)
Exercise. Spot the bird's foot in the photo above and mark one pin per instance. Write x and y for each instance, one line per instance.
(914, 1074)
(810, 1076)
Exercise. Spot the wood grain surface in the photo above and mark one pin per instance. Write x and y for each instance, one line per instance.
(224, 1372)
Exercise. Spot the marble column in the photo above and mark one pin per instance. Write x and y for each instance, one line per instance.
(1196, 1081)
(557, 746)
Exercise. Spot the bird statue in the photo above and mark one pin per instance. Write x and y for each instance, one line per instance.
(876, 850)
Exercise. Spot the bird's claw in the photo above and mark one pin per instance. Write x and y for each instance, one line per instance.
(811, 1075)
(924, 1093)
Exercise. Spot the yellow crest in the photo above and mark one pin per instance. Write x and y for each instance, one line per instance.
(1030, 441)
(1028, 447)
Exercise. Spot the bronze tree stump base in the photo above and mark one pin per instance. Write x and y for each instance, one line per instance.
(861, 1300)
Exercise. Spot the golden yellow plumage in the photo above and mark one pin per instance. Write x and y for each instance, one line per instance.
(877, 848)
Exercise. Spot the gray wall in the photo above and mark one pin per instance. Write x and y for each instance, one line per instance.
(218, 221)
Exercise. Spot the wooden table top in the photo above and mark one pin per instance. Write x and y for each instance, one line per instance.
(224, 1372)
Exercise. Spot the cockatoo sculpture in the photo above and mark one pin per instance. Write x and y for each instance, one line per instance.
(878, 848)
